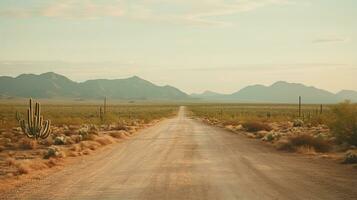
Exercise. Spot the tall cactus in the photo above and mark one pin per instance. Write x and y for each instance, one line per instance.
(35, 127)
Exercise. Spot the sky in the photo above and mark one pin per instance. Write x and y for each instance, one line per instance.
(194, 45)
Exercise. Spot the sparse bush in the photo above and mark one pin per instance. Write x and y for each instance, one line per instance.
(256, 126)
(298, 123)
(344, 123)
(60, 140)
(53, 152)
(308, 141)
(271, 137)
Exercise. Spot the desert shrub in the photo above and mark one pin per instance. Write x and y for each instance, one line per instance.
(271, 137)
(27, 144)
(344, 123)
(298, 123)
(296, 142)
(256, 126)
(53, 151)
(60, 140)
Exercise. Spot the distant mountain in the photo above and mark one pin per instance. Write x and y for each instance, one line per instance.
(282, 92)
(347, 95)
(207, 94)
(52, 85)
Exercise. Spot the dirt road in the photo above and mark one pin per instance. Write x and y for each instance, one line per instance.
(182, 158)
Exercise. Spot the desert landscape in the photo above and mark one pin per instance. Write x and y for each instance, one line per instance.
(172, 100)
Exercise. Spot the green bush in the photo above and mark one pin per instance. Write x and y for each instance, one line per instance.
(343, 124)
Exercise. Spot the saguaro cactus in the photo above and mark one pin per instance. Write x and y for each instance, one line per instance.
(35, 127)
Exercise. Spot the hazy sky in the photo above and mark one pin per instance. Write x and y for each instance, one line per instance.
(195, 45)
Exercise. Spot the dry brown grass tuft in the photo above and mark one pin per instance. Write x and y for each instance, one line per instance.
(304, 141)
(37, 164)
(118, 135)
(52, 162)
(89, 145)
(23, 169)
(105, 140)
(256, 126)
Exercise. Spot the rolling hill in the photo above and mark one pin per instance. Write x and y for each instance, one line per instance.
(52, 85)
(281, 92)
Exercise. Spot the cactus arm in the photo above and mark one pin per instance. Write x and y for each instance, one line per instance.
(30, 114)
(45, 132)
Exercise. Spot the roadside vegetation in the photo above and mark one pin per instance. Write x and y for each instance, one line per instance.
(75, 130)
(318, 130)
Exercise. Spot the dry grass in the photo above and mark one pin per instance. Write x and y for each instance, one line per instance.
(119, 134)
(104, 140)
(233, 113)
(304, 141)
(256, 126)
(69, 113)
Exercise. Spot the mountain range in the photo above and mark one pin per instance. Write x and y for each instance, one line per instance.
(280, 92)
(52, 85)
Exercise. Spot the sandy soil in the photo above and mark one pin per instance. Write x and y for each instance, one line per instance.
(181, 158)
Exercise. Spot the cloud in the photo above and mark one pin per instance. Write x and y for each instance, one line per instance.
(197, 12)
(333, 39)
(85, 9)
